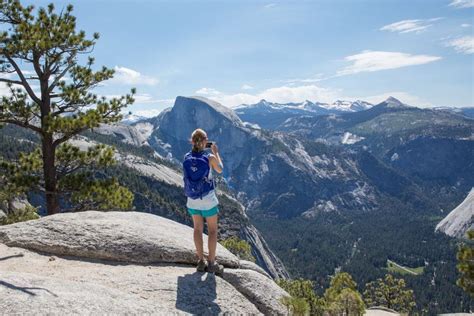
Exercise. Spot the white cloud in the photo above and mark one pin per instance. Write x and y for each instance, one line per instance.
(270, 5)
(462, 3)
(208, 91)
(408, 26)
(369, 61)
(129, 76)
(246, 87)
(466, 25)
(5, 90)
(143, 98)
(400, 95)
(286, 94)
(463, 44)
(146, 113)
(316, 78)
(283, 94)
(146, 98)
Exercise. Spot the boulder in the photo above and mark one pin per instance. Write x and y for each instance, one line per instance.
(38, 284)
(259, 289)
(29, 294)
(249, 265)
(380, 311)
(119, 236)
(16, 206)
(122, 263)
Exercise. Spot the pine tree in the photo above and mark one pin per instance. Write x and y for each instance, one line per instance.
(466, 264)
(391, 293)
(239, 247)
(48, 45)
(296, 306)
(342, 297)
(301, 289)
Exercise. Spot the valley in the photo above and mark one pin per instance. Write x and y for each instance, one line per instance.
(304, 193)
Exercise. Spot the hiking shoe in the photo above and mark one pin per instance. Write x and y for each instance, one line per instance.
(201, 266)
(215, 268)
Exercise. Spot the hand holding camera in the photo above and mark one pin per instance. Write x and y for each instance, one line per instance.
(213, 147)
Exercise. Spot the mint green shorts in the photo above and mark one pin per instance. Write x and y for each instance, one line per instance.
(208, 213)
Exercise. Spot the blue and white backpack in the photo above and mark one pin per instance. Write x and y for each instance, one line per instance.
(196, 175)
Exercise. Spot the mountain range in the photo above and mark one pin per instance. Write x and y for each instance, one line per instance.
(317, 193)
(269, 115)
(348, 190)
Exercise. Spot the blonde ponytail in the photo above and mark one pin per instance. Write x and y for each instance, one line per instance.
(197, 138)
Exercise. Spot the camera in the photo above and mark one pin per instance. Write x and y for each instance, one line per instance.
(209, 144)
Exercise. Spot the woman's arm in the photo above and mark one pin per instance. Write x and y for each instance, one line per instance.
(215, 159)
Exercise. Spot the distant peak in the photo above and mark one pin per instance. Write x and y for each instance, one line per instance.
(361, 102)
(393, 100)
(342, 102)
(201, 101)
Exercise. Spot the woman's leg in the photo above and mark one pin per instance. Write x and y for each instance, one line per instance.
(212, 232)
(198, 229)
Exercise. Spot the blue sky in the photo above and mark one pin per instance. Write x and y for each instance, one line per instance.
(421, 52)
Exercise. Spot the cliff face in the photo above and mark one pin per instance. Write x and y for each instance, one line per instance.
(459, 220)
(270, 171)
(122, 263)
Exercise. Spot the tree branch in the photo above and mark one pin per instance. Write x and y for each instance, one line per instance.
(22, 124)
(11, 81)
(36, 64)
(68, 136)
(57, 78)
(23, 80)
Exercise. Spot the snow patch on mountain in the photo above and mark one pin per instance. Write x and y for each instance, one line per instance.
(459, 220)
(306, 106)
(348, 106)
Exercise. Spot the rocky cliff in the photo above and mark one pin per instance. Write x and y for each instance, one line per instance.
(459, 220)
(270, 171)
(122, 263)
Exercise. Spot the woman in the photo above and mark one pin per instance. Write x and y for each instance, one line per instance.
(206, 205)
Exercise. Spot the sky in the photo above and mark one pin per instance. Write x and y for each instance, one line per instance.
(421, 52)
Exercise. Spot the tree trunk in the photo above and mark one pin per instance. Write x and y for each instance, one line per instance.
(49, 171)
(49, 150)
